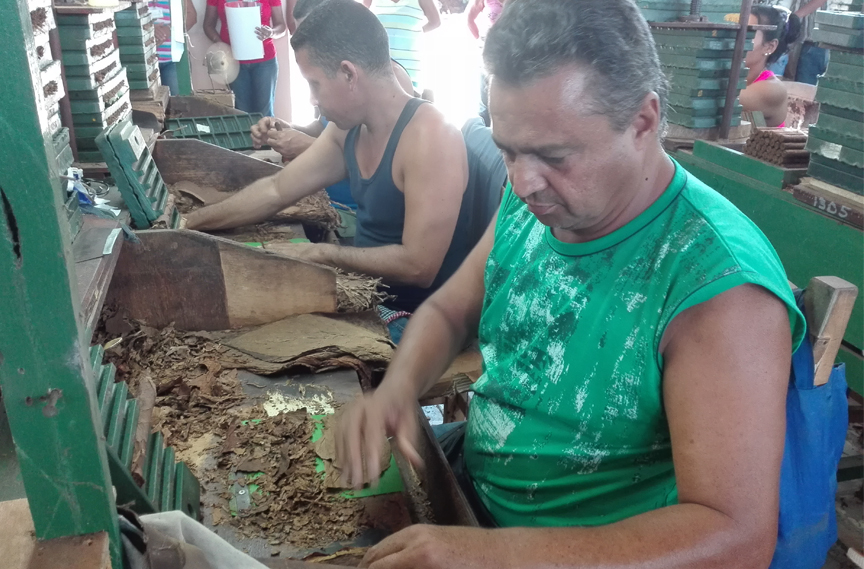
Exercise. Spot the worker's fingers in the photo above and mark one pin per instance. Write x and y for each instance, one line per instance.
(406, 438)
(355, 443)
(384, 554)
(374, 439)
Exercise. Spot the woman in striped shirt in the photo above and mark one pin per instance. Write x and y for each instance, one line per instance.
(405, 22)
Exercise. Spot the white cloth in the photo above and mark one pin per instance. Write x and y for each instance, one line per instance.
(219, 553)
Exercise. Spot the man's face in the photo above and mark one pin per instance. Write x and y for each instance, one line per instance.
(567, 164)
(331, 95)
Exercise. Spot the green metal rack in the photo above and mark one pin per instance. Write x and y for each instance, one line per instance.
(135, 172)
(228, 131)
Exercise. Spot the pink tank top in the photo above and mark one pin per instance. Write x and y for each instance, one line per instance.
(764, 76)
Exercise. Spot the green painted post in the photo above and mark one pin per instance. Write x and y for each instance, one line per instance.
(51, 407)
(184, 74)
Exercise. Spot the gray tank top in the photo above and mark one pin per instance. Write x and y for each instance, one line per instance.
(381, 213)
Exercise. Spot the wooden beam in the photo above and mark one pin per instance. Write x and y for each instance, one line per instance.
(828, 303)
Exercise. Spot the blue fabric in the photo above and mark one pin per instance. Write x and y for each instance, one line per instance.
(255, 87)
(816, 423)
(811, 64)
(778, 68)
(340, 192)
(168, 72)
(397, 328)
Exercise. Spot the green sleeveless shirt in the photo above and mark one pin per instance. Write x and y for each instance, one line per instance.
(567, 425)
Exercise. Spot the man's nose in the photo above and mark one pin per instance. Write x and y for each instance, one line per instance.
(525, 176)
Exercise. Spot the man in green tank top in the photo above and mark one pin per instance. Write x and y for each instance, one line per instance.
(636, 329)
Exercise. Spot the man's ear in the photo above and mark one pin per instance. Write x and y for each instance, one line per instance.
(349, 71)
(647, 120)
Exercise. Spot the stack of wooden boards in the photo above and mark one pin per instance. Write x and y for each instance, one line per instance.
(671, 10)
(42, 18)
(697, 63)
(49, 92)
(839, 29)
(98, 88)
(779, 146)
(837, 138)
(137, 38)
(836, 141)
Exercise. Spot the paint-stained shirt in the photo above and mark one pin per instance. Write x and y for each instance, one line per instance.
(567, 425)
(404, 21)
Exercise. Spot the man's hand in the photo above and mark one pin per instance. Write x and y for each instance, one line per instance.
(438, 547)
(162, 31)
(261, 129)
(365, 423)
(290, 143)
(264, 32)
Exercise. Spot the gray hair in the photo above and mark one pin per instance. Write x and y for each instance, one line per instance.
(536, 38)
(343, 30)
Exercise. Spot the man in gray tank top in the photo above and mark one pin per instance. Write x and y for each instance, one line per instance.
(407, 167)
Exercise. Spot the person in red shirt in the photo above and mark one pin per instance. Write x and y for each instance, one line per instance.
(255, 86)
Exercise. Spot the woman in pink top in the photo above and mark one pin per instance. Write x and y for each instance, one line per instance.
(765, 92)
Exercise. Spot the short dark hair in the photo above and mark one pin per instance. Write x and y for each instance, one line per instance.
(788, 28)
(303, 7)
(536, 38)
(343, 30)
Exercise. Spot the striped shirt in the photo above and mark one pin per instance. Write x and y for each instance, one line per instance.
(164, 7)
(161, 10)
(403, 20)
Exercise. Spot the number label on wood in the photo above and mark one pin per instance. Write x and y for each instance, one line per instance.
(844, 213)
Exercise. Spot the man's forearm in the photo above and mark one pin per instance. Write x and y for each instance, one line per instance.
(685, 536)
(393, 263)
(809, 8)
(253, 204)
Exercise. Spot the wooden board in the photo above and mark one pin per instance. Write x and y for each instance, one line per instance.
(202, 282)
(838, 203)
(94, 275)
(16, 534)
(208, 165)
(261, 288)
(20, 550)
(462, 373)
(436, 482)
(828, 304)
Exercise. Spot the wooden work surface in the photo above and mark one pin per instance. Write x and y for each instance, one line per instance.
(446, 501)
(20, 550)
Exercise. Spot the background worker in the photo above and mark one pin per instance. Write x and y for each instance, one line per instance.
(809, 61)
(255, 85)
(171, 36)
(765, 92)
(407, 166)
(292, 140)
(405, 22)
(636, 331)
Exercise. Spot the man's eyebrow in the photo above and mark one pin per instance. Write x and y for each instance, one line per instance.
(544, 150)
